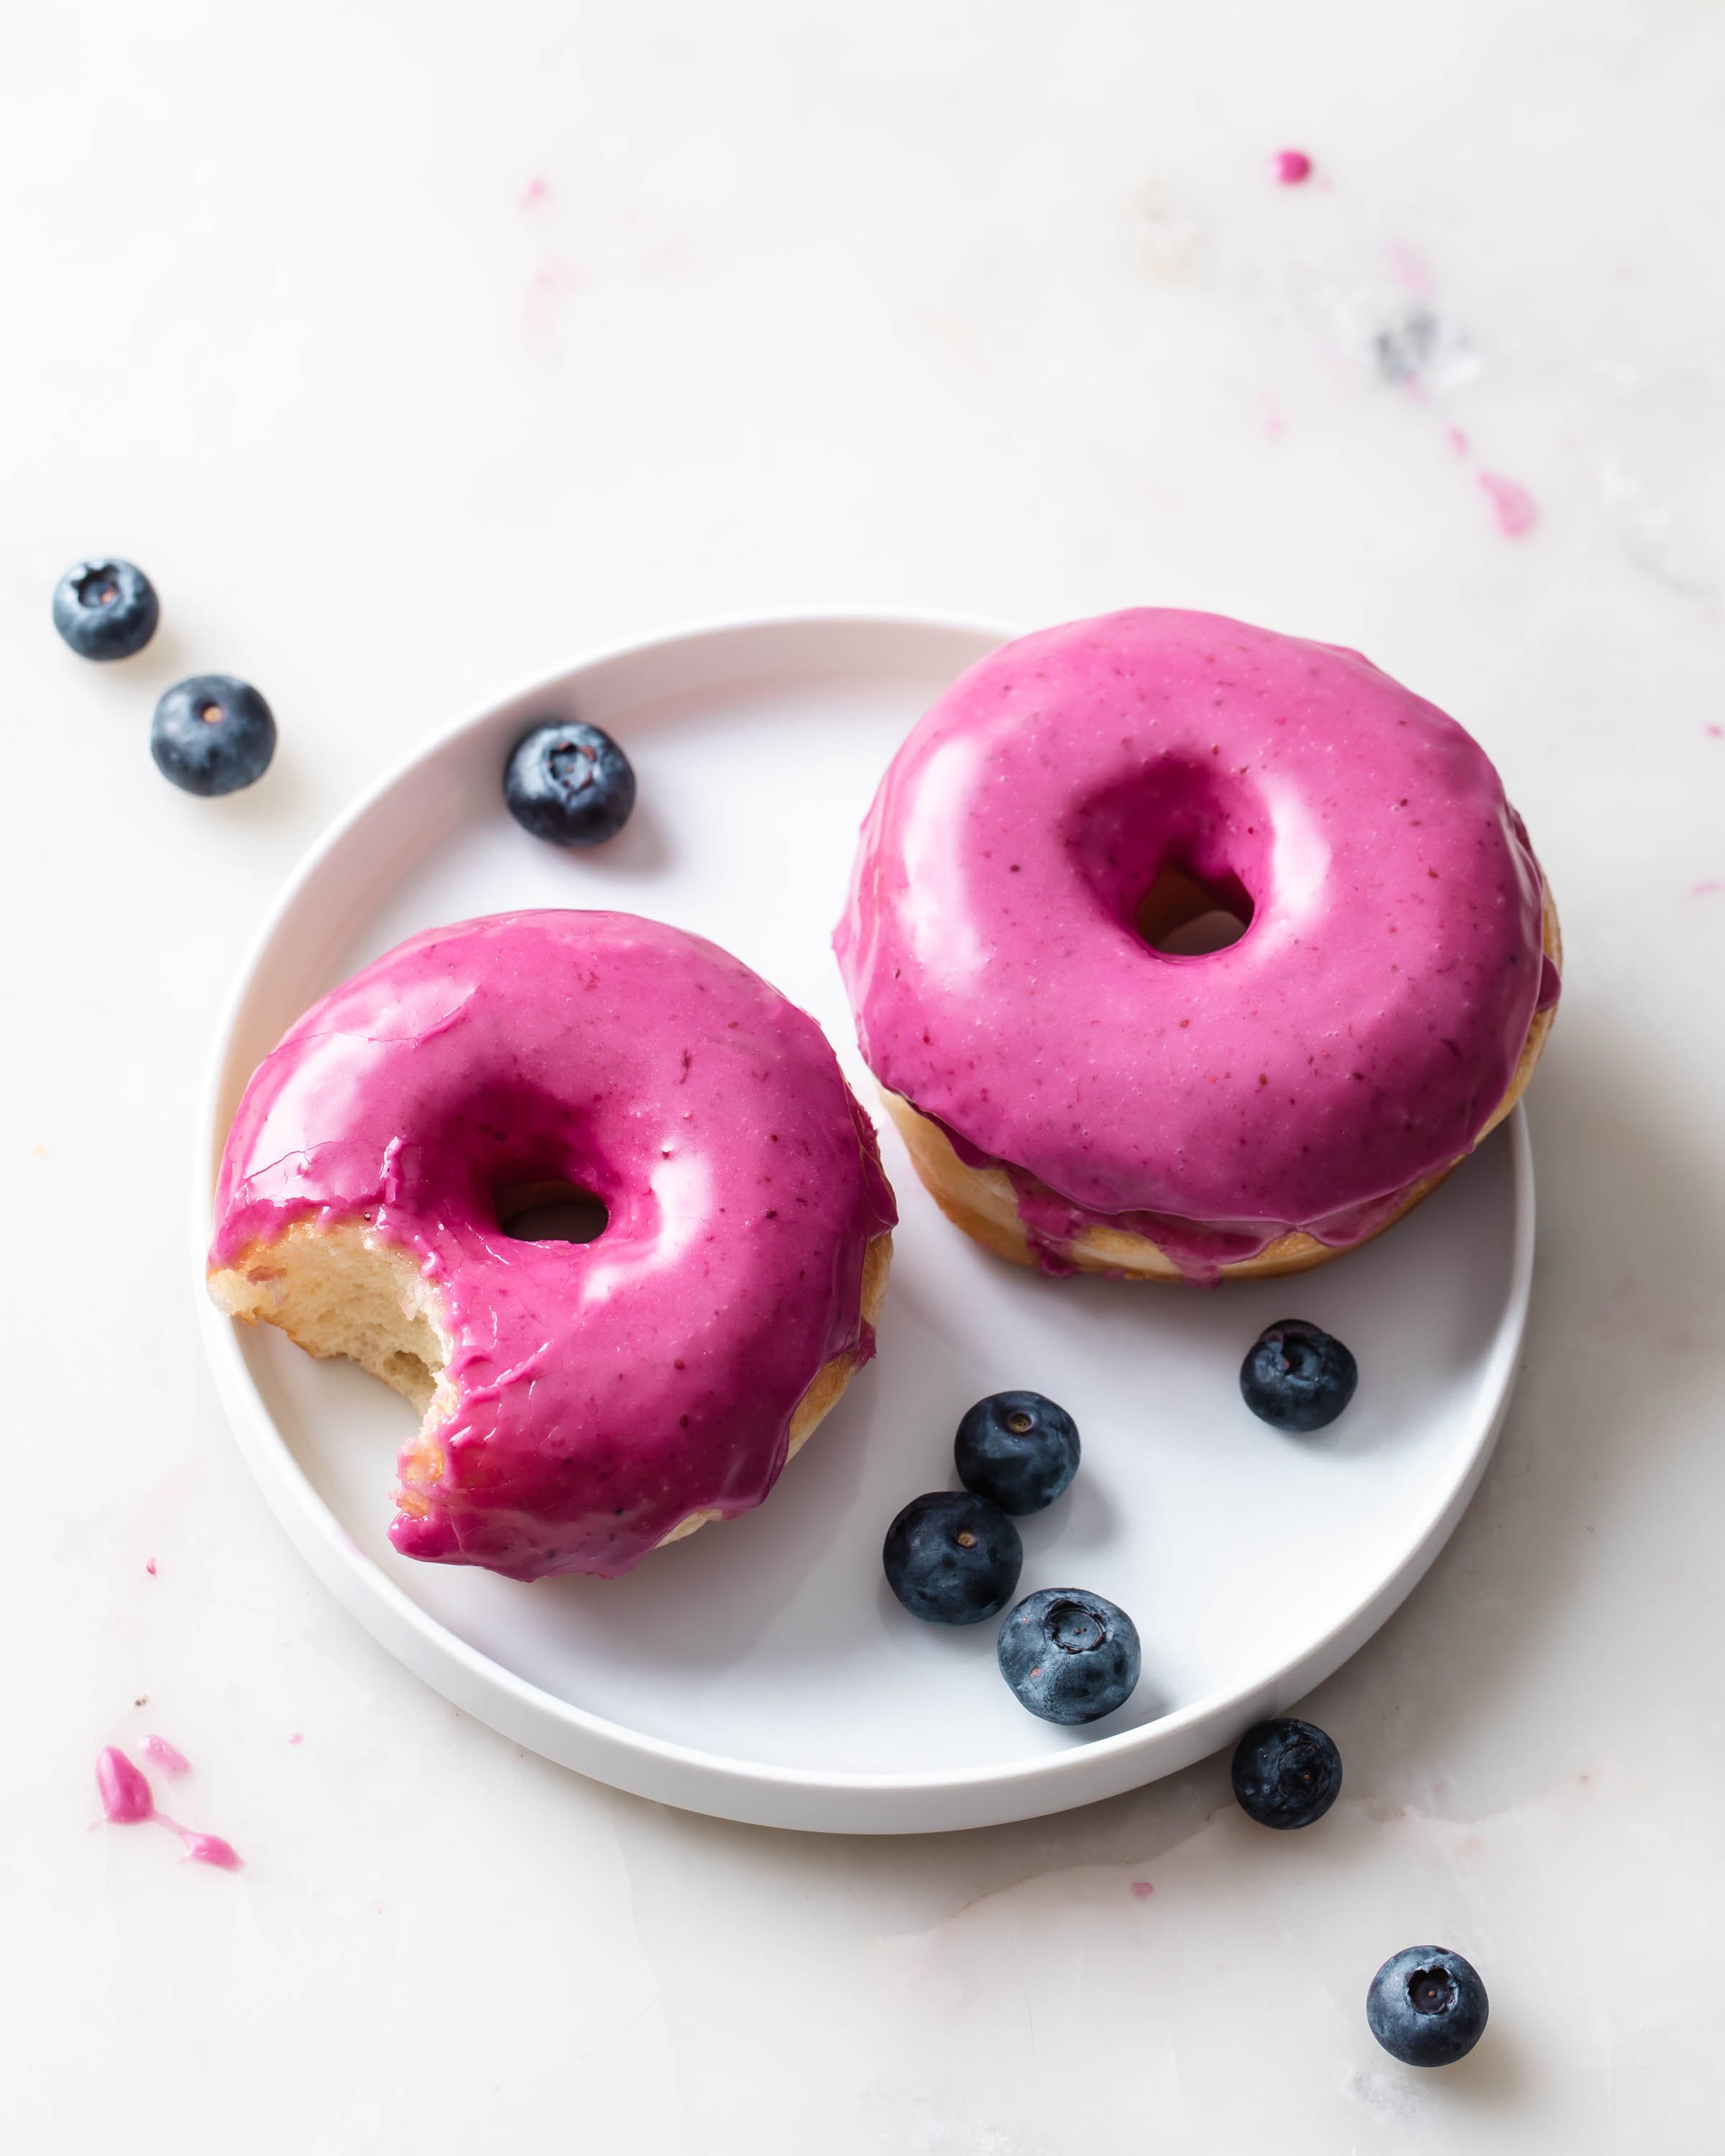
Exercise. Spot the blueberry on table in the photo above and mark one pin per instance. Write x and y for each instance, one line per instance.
(1287, 1774)
(1069, 1656)
(1017, 1449)
(212, 734)
(952, 1559)
(570, 783)
(1296, 1376)
(106, 609)
(1427, 2006)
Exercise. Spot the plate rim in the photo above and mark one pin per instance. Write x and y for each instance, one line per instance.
(664, 1769)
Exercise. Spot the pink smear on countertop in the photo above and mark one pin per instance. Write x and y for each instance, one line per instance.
(126, 1800)
(294, 1737)
(1142, 1890)
(168, 1757)
(534, 191)
(1714, 733)
(1290, 167)
(1409, 271)
(1513, 506)
(125, 1794)
(150, 1566)
(1705, 889)
(1457, 441)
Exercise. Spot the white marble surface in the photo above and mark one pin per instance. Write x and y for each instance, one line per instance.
(412, 350)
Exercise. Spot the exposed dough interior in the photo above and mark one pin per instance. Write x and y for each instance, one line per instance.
(342, 1290)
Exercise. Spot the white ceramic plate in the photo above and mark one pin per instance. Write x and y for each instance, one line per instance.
(761, 1671)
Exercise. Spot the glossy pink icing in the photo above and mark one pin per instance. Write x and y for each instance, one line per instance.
(126, 1801)
(605, 1390)
(168, 1757)
(1354, 1040)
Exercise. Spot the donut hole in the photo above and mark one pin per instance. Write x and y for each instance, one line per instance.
(548, 1209)
(1186, 916)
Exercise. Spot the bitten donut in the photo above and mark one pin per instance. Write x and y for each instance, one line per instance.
(1075, 1091)
(582, 1402)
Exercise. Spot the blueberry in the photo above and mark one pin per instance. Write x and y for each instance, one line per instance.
(106, 609)
(1296, 1376)
(570, 783)
(1427, 2006)
(1069, 1656)
(1017, 1449)
(212, 734)
(1286, 1773)
(952, 1558)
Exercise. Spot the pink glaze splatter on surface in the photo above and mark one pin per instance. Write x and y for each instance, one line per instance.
(534, 192)
(1457, 441)
(125, 1794)
(149, 1567)
(1705, 889)
(126, 1801)
(1292, 167)
(294, 1737)
(1714, 732)
(1511, 504)
(1355, 1040)
(1143, 1889)
(594, 1395)
(167, 1757)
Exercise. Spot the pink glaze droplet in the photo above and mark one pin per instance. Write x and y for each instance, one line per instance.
(126, 1794)
(1715, 733)
(294, 1737)
(206, 1848)
(534, 191)
(150, 1566)
(1292, 167)
(1512, 505)
(168, 1757)
(1143, 1889)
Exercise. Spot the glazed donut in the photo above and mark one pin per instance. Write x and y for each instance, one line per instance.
(1077, 1095)
(582, 1403)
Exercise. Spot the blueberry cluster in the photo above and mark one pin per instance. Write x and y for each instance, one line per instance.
(212, 734)
(953, 1557)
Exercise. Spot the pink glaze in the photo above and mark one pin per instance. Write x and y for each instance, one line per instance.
(605, 1390)
(1292, 167)
(149, 1567)
(1143, 1889)
(168, 1757)
(126, 1801)
(125, 1794)
(1512, 505)
(1354, 1040)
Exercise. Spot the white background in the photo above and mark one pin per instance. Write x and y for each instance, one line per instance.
(413, 350)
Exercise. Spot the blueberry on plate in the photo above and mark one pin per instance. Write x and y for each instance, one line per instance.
(1297, 1376)
(1287, 1774)
(1017, 1449)
(952, 1559)
(212, 734)
(106, 609)
(1069, 1656)
(1427, 2007)
(570, 783)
